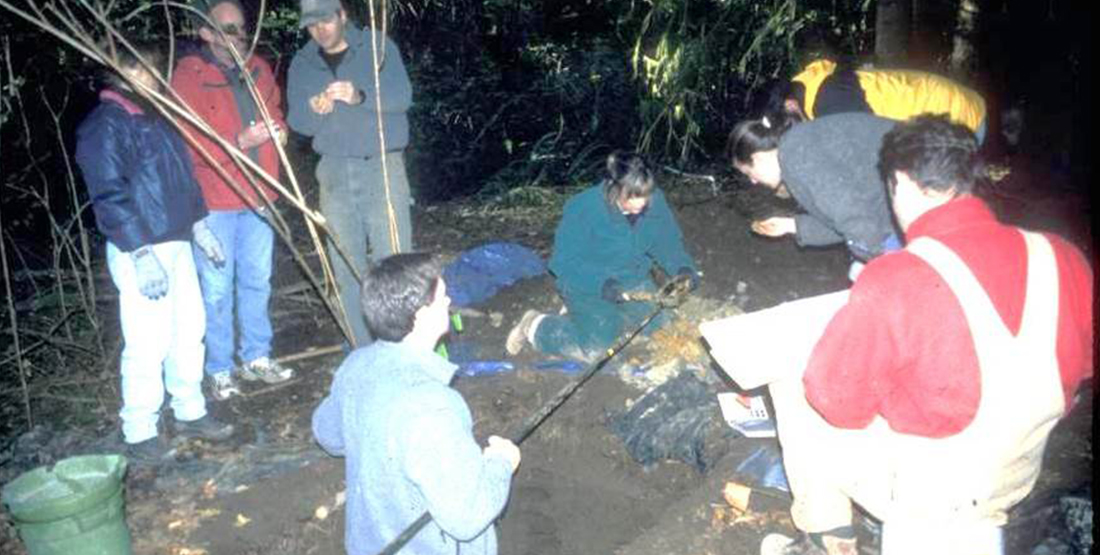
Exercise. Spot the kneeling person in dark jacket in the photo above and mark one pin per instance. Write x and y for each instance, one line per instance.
(406, 434)
(149, 207)
(610, 236)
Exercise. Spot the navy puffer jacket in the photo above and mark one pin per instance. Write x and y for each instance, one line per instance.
(138, 175)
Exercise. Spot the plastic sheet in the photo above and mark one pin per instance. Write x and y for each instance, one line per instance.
(765, 468)
(566, 366)
(485, 367)
(669, 422)
(478, 273)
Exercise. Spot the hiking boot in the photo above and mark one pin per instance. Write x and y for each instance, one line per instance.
(520, 332)
(207, 427)
(224, 386)
(778, 544)
(150, 451)
(265, 370)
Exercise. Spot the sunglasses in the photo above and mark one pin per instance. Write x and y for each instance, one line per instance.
(234, 30)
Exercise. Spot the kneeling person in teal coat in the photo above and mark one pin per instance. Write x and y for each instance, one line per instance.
(604, 247)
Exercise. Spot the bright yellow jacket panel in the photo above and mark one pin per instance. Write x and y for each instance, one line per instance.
(901, 94)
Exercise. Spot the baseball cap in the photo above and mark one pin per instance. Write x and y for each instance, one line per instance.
(314, 11)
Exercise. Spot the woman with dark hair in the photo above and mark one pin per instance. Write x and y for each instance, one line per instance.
(830, 167)
(147, 204)
(604, 247)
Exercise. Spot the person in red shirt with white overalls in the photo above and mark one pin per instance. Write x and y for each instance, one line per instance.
(929, 398)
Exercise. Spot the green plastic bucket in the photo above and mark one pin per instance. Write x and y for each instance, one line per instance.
(71, 508)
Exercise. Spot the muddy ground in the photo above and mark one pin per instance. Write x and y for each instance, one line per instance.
(578, 490)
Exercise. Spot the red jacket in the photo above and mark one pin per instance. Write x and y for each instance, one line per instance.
(901, 348)
(202, 84)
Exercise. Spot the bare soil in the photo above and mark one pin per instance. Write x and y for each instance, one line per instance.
(578, 492)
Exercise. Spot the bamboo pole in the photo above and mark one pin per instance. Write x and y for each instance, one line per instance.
(376, 45)
(20, 364)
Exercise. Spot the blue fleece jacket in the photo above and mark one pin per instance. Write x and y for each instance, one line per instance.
(408, 439)
(350, 131)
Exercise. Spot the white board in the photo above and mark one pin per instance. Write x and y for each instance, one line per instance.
(757, 348)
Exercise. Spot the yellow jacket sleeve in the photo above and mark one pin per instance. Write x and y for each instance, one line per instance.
(812, 77)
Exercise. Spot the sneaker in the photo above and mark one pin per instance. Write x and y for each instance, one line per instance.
(150, 451)
(778, 544)
(207, 427)
(854, 270)
(519, 334)
(265, 370)
(224, 386)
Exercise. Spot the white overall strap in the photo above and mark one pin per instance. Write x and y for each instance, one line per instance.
(1040, 317)
(1039, 324)
(979, 311)
(1021, 390)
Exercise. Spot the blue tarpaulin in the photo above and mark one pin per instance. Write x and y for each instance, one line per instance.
(478, 273)
(765, 466)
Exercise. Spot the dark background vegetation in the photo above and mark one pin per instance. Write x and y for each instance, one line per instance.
(509, 94)
(534, 92)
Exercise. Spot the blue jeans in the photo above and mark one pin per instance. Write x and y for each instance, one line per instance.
(353, 200)
(162, 341)
(244, 281)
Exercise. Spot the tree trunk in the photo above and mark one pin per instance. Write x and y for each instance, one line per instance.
(922, 34)
(892, 26)
(963, 53)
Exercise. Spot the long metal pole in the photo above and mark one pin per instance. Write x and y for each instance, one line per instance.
(535, 420)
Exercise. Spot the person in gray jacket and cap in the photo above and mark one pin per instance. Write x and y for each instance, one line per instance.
(332, 97)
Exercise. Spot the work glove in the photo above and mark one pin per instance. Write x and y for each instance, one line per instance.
(208, 243)
(612, 291)
(692, 275)
(151, 279)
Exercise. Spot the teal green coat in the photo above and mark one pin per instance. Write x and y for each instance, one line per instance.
(594, 242)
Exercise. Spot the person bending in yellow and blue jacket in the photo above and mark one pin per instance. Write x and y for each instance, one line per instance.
(826, 87)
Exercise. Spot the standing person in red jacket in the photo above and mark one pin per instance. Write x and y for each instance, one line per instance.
(214, 86)
(929, 398)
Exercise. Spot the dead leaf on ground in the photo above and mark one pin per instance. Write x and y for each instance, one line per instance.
(178, 550)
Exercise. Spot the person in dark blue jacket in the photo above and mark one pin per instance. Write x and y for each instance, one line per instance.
(148, 205)
(609, 237)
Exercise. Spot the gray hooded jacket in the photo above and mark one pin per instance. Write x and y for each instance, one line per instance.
(350, 131)
(830, 166)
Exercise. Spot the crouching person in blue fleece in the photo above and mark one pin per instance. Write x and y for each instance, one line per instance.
(406, 434)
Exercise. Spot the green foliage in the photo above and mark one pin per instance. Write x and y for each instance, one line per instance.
(699, 61)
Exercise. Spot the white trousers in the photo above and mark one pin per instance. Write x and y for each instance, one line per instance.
(163, 346)
(828, 468)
